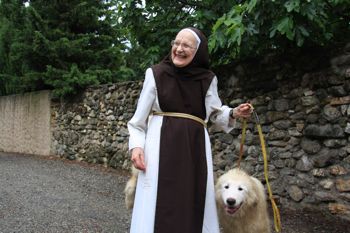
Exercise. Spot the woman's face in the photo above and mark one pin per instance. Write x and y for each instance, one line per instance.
(183, 48)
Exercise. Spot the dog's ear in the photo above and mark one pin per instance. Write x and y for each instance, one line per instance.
(253, 193)
(218, 189)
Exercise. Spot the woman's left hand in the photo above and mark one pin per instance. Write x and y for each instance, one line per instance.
(243, 110)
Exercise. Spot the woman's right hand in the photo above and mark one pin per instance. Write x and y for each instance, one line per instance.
(138, 158)
(243, 110)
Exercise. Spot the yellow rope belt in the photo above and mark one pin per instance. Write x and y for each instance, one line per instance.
(181, 115)
(276, 213)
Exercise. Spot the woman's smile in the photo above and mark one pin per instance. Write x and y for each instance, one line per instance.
(183, 49)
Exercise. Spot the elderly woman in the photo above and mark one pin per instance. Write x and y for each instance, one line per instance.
(175, 190)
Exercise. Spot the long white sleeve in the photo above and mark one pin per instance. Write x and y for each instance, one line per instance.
(137, 126)
(216, 112)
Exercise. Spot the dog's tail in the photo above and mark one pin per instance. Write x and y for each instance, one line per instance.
(130, 188)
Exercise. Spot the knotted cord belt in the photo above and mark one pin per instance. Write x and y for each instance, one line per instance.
(276, 213)
(181, 115)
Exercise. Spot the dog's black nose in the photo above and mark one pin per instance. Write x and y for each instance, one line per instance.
(231, 201)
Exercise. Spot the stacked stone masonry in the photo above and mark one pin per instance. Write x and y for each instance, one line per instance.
(305, 119)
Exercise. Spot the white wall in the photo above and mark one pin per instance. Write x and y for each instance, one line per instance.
(25, 123)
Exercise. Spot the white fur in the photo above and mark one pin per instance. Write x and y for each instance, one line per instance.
(241, 202)
(130, 189)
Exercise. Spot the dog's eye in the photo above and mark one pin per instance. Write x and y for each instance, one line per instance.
(226, 186)
(240, 188)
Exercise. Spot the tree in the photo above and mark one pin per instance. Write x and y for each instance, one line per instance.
(64, 45)
(12, 18)
(236, 29)
(253, 27)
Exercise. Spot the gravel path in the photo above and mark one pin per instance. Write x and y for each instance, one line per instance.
(48, 195)
(40, 194)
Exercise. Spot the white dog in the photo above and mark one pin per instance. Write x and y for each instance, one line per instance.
(240, 198)
(241, 203)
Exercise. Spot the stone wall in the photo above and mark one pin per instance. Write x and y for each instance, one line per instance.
(306, 121)
(93, 127)
(25, 123)
(304, 112)
(305, 116)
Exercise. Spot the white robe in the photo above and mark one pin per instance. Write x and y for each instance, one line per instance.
(145, 131)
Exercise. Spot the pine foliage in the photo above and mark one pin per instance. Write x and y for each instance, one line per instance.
(66, 45)
(62, 45)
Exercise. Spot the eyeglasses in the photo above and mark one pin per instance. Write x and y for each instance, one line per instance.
(176, 44)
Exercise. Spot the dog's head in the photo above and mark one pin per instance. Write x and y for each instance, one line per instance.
(235, 191)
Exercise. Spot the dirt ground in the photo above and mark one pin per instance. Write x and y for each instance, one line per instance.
(52, 195)
(311, 221)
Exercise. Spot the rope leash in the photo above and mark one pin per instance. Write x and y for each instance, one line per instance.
(276, 213)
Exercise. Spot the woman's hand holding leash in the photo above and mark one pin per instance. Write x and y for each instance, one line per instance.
(243, 110)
